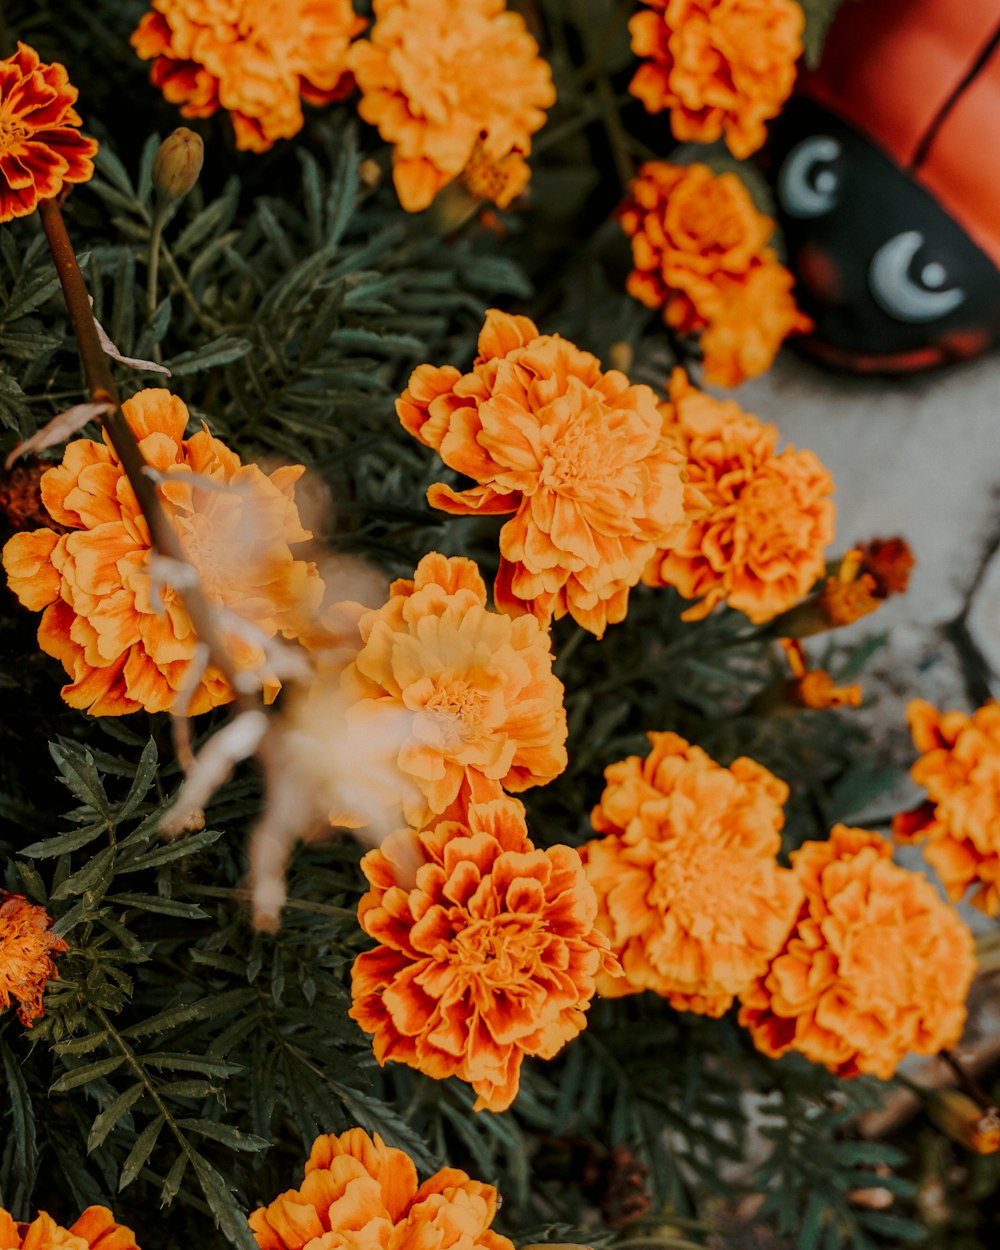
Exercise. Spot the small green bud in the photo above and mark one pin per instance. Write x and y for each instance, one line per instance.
(178, 163)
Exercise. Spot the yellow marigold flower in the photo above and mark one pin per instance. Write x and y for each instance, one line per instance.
(699, 247)
(96, 1229)
(721, 67)
(359, 1192)
(876, 966)
(960, 768)
(40, 146)
(256, 58)
(757, 539)
(100, 618)
(449, 83)
(690, 892)
(27, 956)
(487, 711)
(577, 454)
(489, 956)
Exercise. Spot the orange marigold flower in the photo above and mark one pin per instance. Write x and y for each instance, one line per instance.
(450, 82)
(40, 147)
(757, 315)
(877, 965)
(721, 67)
(577, 454)
(256, 58)
(96, 1229)
(359, 1192)
(27, 956)
(757, 540)
(690, 893)
(487, 711)
(960, 769)
(490, 956)
(100, 617)
(699, 247)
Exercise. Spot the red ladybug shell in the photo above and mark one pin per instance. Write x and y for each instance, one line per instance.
(921, 80)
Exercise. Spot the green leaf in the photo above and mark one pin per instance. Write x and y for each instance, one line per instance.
(140, 1152)
(110, 1116)
(221, 351)
(76, 766)
(172, 1184)
(22, 1114)
(64, 842)
(161, 906)
(144, 774)
(89, 1072)
(224, 1133)
(230, 1219)
(179, 848)
(185, 1013)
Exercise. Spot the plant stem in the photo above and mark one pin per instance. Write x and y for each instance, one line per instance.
(153, 266)
(101, 384)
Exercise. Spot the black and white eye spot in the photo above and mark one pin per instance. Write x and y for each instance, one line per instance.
(920, 295)
(809, 183)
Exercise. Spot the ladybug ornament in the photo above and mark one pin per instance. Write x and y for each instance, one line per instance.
(887, 182)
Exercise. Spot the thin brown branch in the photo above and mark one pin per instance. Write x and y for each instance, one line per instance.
(101, 384)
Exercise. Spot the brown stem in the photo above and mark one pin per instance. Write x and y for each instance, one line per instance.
(101, 384)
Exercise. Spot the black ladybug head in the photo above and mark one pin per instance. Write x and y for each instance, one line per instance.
(891, 280)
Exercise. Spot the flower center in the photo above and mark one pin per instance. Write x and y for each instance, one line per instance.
(573, 457)
(12, 133)
(458, 711)
(501, 951)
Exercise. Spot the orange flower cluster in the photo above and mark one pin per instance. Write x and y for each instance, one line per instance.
(699, 247)
(487, 711)
(690, 892)
(960, 768)
(40, 147)
(259, 59)
(876, 966)
(96, 1229)
(453, 85)
(101, 619)
(490, 955)
(27, 956)
(757, 539)
(359, 1192)
(577, 454)
(722, 67)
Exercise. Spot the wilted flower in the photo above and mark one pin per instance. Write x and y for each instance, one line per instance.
(490, 955)
(960, 768)
(699, 250)
(122, 648)
(359, 1192)
(814, 687)
(577, 454)
(27, 956)
(96, 1229)
(40, 147)
(452, 84)
(721, 67)
(756, 540)
(690, 892)
(876, 966)
(486, 711)
(255, 58)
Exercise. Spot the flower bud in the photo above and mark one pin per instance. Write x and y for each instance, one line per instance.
(962, 1119)
(178, 163)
